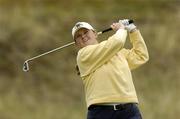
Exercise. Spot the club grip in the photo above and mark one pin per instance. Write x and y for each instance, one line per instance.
(106, 30)
(131, 21)
(109, 29)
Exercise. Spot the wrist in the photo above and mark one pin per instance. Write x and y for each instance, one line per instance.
(133, 30)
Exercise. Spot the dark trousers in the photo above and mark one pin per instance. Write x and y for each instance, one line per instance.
(129, 111)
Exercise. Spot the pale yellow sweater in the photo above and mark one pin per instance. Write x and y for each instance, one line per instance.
(105, 68)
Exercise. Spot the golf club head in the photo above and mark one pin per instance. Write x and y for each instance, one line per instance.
(25, 66)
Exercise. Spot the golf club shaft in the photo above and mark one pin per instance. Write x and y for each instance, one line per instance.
(106, 30)
(50, 51)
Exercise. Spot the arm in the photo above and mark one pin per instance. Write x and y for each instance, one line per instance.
(138, 55)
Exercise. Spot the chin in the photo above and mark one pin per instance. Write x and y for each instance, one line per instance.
(89, 42)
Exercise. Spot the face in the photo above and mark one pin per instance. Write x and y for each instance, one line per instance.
(84, 37)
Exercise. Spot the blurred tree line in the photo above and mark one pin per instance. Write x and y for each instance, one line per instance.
(51, 89)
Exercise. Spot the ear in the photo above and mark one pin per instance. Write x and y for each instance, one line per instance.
(75, 42)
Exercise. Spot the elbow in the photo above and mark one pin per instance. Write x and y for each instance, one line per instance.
(146, 57)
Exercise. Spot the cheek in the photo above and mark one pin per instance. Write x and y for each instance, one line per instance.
(94, 36)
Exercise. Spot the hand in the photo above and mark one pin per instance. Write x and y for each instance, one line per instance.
(116, 26)
(128, 26)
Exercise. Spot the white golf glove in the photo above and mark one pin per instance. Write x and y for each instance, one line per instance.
(128, 26)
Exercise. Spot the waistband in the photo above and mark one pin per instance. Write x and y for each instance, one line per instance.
(113, 106)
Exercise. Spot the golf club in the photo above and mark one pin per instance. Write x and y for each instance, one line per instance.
(26, 65)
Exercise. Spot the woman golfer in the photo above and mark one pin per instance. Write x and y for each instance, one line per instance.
(105, 69)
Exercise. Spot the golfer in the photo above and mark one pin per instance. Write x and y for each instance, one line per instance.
(105, 69)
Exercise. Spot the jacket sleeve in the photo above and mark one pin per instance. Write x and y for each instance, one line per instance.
(93, 56)
(138, 55)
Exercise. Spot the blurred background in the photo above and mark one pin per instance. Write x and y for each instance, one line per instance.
(52, 89)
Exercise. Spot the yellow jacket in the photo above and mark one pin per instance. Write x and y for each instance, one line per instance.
(105, 68)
